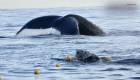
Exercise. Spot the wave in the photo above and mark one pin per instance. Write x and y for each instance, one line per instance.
(3, 37)
(124, 32)
(128, 61)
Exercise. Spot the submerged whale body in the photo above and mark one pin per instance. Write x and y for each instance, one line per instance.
(65, 25)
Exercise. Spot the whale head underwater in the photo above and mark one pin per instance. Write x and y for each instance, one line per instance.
(63, 25)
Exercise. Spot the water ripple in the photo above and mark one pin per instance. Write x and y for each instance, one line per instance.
(124, 32)
(129, 61)
(115, 69)
(137, 78)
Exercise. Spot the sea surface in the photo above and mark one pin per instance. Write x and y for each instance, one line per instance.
(20, 56)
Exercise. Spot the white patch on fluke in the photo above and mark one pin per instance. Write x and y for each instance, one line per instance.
(36, 32)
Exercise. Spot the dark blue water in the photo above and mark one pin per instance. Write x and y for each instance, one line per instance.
(19, 57)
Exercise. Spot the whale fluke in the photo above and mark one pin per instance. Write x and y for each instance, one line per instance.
(65, 25)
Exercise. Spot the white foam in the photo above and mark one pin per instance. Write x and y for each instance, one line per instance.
(36, 32)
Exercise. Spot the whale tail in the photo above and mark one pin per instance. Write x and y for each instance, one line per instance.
(86, 27)
(70, 25)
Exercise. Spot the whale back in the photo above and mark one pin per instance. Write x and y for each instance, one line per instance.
(86, 27)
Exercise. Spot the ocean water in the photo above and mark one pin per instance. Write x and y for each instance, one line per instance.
(20, 56)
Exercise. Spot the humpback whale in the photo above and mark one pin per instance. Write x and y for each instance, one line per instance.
(64, 25)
